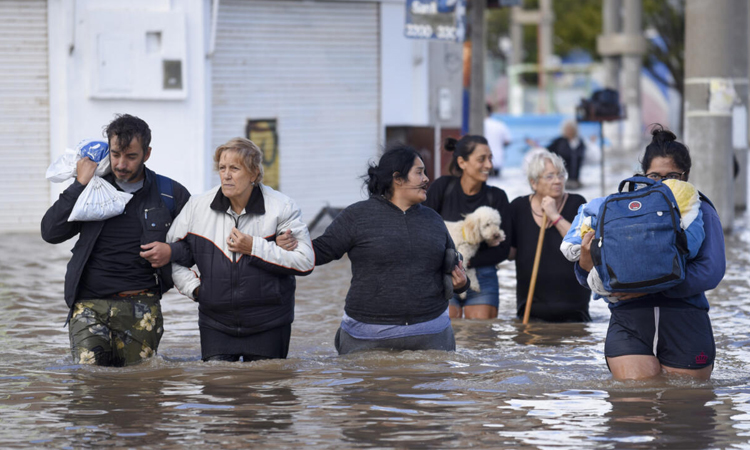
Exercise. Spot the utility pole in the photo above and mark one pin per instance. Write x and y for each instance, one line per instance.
(475, 16)
(631, 78)
(715, 64)
(543, 18)
(621, 44)
(545, 51)
(610, 26)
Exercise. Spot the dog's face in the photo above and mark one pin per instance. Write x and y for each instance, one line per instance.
(483, 225)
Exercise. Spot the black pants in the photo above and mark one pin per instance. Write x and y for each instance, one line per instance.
(269, 344)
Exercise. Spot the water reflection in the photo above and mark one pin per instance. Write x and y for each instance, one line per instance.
(507, 385)
(99, 414)
(242, 404)
(663, 418)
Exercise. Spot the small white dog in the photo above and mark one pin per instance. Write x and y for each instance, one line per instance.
(483, 225)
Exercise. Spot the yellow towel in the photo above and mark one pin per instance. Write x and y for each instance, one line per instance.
(687, 200)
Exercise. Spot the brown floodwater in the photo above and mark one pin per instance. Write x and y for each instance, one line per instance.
(541, 386)
(507, 386)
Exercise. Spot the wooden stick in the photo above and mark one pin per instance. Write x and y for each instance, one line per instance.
(535, 270)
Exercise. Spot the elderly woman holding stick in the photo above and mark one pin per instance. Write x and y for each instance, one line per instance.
(539, 222)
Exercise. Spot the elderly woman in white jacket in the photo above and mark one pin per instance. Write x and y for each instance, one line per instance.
(246, 283)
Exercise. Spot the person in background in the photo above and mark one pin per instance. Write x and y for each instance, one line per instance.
(557, 294)
(498, 137)
(404, 264)
(572, 149)
(245, 291)
(670, 331)
(118, 271)
(454, 196)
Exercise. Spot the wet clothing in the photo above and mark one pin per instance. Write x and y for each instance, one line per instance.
(702, 273)
(240, 295)
(115, 264)
(557, 296)
(153, 216)
(684, 326)
(361, 330)
(446, 196)
(680, 336)
(572, 151)
(443, 340)
(105, 262)
(116, 331)
(396, 257)
(269, 344)
(489, 293)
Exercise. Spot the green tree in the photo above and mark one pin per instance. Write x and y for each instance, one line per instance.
(577, 24)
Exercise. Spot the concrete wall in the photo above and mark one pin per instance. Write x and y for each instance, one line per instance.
(84, 96)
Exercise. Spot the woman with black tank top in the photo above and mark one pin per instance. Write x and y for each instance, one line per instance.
(557, 296)
(453, 197)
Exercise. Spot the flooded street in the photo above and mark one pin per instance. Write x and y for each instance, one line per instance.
(507, 386)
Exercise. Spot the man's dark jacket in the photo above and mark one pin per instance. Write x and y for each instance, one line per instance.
(57, 229)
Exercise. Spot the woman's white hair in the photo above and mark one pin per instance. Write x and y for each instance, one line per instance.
(534, 162)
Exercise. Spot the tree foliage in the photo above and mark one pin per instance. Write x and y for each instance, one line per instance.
(577, 24)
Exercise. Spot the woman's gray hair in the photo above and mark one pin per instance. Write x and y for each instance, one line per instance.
(534, 162)
(250, 154)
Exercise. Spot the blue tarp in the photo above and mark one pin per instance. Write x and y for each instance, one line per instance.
(540, 128)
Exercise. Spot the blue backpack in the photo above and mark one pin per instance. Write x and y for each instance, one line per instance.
(639, 245)
(165, 190)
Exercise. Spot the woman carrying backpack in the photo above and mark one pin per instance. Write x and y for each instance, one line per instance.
(668, 331)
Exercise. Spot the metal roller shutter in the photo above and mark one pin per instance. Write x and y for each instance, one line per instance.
(24, 114)
(313, 66)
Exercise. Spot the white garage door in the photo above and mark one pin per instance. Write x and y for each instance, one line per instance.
(312, 66)
(24, 114)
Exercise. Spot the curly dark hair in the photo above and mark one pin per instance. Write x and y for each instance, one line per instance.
(127, 127)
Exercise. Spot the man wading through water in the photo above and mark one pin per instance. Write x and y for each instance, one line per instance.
(114, 281)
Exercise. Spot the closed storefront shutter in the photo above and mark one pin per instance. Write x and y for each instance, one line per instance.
(313, 68)
(24, 114)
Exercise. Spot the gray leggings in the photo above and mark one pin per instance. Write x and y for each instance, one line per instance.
(444, 340)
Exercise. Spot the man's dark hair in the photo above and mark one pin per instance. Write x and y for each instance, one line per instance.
(126, 127)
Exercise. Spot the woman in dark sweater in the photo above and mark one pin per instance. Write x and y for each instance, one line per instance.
(453, 197)
(397, 249)
(557, 296)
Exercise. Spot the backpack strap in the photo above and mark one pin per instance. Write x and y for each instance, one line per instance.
(166, 192)
(452, 185)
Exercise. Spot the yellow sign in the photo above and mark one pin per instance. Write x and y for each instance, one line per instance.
(263, 133)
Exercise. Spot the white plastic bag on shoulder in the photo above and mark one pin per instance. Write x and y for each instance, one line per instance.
(64, 167)
(99, 201)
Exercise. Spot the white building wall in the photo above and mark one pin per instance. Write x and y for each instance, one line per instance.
(182, 136)
(404, 71)
(84, 100)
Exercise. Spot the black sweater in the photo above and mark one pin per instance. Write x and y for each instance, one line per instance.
(447, 198)
(396, 258)
(557, 296)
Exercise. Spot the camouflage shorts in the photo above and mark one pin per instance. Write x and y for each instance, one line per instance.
(116, 331)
